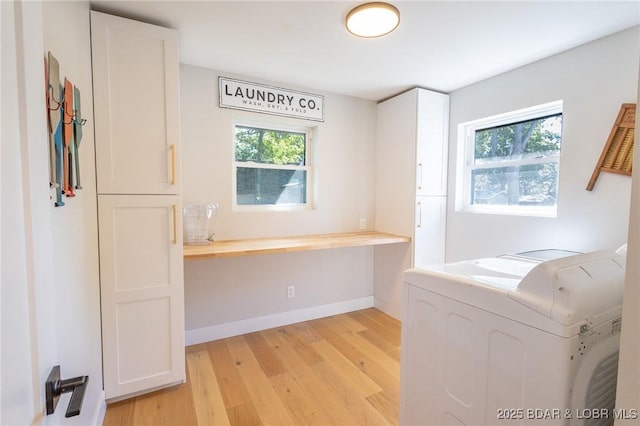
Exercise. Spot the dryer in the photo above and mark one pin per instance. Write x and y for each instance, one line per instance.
(521, 339)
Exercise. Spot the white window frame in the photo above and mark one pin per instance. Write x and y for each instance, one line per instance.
(466, 154)
(309, 134)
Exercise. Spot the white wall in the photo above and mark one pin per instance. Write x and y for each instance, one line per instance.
(51, 253)
(74, 227)
(219, 291)
(343, 160)
(20, 368)
(593, 80)
(234, 295)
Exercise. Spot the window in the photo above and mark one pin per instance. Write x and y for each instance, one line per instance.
(272, 168)
(510, 162)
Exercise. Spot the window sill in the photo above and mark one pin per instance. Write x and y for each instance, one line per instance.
(512, 211)
(248, 247)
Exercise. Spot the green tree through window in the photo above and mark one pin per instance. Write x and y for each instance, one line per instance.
(517, 163)
(270, 146)
(271, 166)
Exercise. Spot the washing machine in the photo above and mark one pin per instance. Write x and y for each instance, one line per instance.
(520, 339)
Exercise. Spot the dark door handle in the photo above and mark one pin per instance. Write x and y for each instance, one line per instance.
(54, 387)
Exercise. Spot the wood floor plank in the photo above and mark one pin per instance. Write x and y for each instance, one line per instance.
(374, 338)
(148, 410)
(390, 334)
(196, 348)
(159, 408)
(301, 338)
(360, 381)
(207, 397)
(350, 323)
(145, 411)
(323, 328)
(382, 318)
(301, 332)
(263, 352)
(283, 338)
(306, 378)
(265, 399)
(380, 357)
(387, 405)
(234, 391)
(179, 396)
(387, 380)
(361, 410)
(388, 401)
(302, 409)
(119, 414)
(244, 415)
(341, 370)
(365, 346)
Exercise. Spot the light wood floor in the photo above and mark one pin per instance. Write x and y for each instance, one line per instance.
(341, 370)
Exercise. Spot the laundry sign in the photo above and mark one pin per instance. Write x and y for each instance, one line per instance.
(243, 95)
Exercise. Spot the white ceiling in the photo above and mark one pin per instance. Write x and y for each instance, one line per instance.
(441, 45)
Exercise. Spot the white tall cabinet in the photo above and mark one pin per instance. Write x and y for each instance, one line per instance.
(135, 77)
(411, 187)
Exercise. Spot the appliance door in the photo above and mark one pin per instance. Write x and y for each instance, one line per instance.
(594, 391)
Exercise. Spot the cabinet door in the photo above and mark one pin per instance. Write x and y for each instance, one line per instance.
(430, 229)
(432, 143)
(136, 103)
(141, 274)
(395, 150)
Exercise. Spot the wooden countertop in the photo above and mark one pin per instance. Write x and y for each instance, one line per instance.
(253, 246)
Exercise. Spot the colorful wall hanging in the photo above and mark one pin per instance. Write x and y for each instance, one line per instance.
(64, 122)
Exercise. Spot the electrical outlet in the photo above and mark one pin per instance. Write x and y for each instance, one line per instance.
(291, 291)
(363, 223)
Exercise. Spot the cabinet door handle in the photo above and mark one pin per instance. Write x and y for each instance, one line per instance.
(175, 224)
(420, 174)
(172, 150)
(419, 214)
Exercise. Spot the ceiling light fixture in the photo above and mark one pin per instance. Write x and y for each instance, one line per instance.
(373, 19)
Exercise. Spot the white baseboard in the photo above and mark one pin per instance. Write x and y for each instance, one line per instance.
(236, 328)
(389, 309)
(100, 410)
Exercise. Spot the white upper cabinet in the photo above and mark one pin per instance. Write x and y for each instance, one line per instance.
(396, 138)
(135, 84)
(432, 143)
(411, 156)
